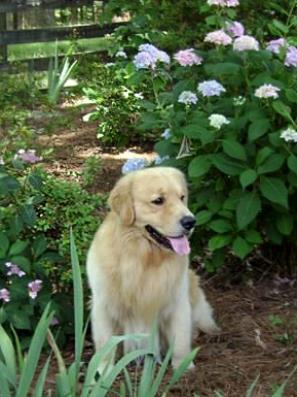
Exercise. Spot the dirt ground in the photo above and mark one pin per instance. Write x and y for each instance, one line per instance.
(258, 315)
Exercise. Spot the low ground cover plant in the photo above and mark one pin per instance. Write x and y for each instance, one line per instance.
(227, 112)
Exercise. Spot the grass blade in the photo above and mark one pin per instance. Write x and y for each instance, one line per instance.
(281, 389)
(251, 389)
(34, 353)
(39, 388)
(164, 366)
(8, 352)
(18, 350)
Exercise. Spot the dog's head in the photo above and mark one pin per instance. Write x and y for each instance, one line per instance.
(155, 200)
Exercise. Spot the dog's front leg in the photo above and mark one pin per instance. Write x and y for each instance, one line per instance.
(180, 327)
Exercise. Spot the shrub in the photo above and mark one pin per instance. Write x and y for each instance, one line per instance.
(35, 211)
(231, 116)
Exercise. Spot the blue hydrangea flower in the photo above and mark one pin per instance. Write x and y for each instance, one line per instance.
(211, 88)
(148, 56)
(166, 134)
(134, 165)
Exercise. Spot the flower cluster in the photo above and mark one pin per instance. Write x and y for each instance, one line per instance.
(291, 57)
(148, 57)
(275, 45)
(14, 270)
(217, 120)
(121, 54)
(245, 43)
(267, 91)
(188, 98)
(211, 88)
(223, 3)
(28, 156)
(235, 29)
(34, 287)
(289, 135)
(4, 295)
(134, 165)
(187, 57)
(218, 37)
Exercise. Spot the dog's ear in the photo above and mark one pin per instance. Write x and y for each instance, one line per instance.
(121, 200)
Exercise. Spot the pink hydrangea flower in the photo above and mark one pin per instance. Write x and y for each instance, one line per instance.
(218, 37)
(275, 45)
(187, 57)
(245, 43)
(29, 156)
(4, 295)
(34, 287)
(14, 270)
(291, 57)
(236, 29)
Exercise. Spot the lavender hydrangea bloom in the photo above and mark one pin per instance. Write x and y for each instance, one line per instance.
(218, 37)
(34, 287)
(291, 57)
(28, 156)
(148, 56)
(134, 165)
(211, 88)
(275, 45)
(4, 295)
(236, 29)
(188, 98)
(187, 57)
(14, 270)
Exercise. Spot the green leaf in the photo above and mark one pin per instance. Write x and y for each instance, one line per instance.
(226, 165)
(219, 241)
(195, 131)
(291, 95)
(234, 149)
(4, 244)
(282, 109)
(272, 163)
(292, 163)
(8, 184)
(39, 246)
(274, 190)
(21, 261)
(285, 224)
(35, 181)
(28, 215)
(247, 209)
(226, 68)
(221, 226)
(199, 166)
(247, 178)
(241, 248)
(203, 217)
(20, 319)
(263, 154)
(253, 237)
(257, 129)
(18, 247)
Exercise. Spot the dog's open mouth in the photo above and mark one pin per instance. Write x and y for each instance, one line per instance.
(179, 244)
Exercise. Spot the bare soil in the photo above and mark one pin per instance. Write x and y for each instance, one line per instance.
(258, 315)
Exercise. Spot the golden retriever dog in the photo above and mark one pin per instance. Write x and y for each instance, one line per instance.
(138, 262)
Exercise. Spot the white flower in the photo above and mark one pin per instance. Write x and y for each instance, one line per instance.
(138, 95)
(245, 43)
(289, 135)
(166, 134)
(267, 91)
(217, 120)
(188, 98)
(121, 54)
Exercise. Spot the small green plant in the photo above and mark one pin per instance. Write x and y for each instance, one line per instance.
(91, 168)
(57, 76)
(276, 320)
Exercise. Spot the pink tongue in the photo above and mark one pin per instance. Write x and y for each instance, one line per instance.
(180, 245)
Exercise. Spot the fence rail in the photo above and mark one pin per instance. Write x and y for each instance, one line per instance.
(22, 5)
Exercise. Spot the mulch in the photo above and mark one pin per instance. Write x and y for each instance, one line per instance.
(258, 316)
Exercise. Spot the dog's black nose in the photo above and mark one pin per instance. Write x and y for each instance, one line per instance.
(188, 222)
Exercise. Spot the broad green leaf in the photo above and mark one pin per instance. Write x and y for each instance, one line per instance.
(285, 223)
(272, 163)
(8, 184)
(28, 214)
(35, 181)
(17, 247)
(291, 95)
(227, 68)
(226, 165)
(247, 209)
(219, 241)
(282, 109)
(241, 248)
(234, 149)
(263, 154)
(257, 129)
(292, 163)
(247, 178)
(199, 166)
(274, 190)
(253, 237)
(203, 217)
(4, 244)
(221, 226)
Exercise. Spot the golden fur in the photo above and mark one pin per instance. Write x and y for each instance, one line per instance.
(135, 280)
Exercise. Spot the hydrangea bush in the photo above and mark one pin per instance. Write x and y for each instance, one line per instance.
(228, 112)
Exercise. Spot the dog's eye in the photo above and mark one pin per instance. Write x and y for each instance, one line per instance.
(182, 197)
(159, 201)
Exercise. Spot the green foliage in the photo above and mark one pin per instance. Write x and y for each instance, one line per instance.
(35, 212)
(243, 175)
(91, 168)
